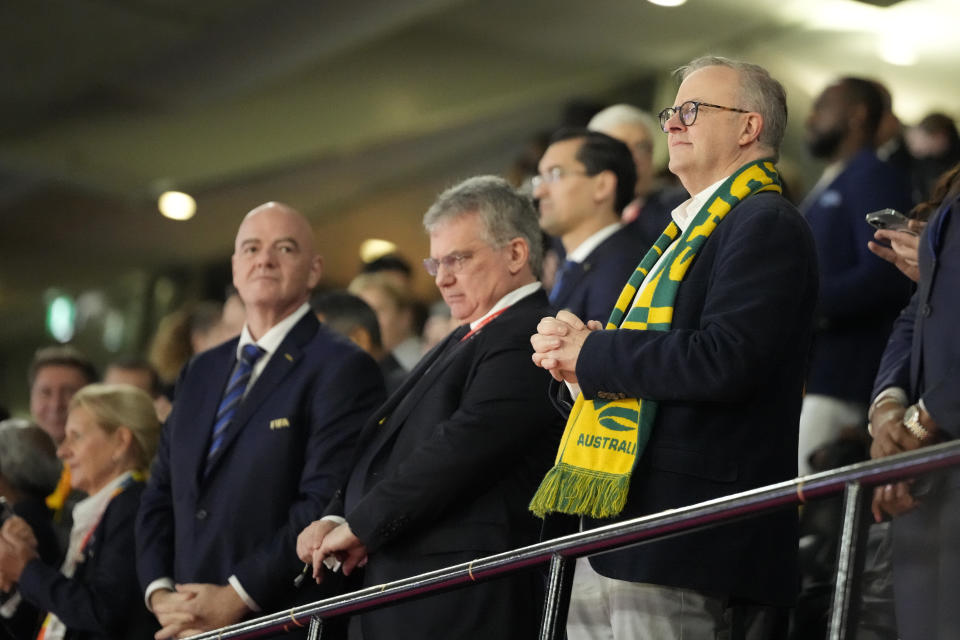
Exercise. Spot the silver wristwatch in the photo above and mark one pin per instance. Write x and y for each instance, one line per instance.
(911, 420)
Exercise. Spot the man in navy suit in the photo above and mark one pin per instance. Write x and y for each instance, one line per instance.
(920, 369)
(860, 294)
(586, 179)
(727, 377)
(244, 465)
(451, 460)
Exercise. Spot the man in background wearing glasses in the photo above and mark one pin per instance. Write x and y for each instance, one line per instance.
(709, 357)
(449, 462)
(585, 180)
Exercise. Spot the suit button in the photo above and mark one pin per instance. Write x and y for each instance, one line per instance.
(925, 311)
(201, 514)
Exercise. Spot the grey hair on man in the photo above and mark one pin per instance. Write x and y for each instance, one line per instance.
(623, 114)
(28, 458)
(759, 92)
(506, 214)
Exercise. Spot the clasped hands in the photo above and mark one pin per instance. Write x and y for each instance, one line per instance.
(891, 437)
(324, 539)
(18, 546)
(557, 344)
(195, 608)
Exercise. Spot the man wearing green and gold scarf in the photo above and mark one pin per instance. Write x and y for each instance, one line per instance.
(692, 389)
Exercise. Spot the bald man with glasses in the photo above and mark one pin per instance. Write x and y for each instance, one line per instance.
(702, 366)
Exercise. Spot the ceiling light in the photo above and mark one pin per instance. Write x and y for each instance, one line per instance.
(667, 3)
(177, 205)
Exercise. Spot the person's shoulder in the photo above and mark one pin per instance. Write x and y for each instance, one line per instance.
(520, 320)
(767, 204)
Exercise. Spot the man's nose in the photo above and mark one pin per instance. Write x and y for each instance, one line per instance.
(674, 123)
(445, 275)
(267, 257)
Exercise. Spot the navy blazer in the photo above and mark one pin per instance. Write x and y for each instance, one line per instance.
(860, 293)
(286, 452)
(923, 358)
(590, 289)
(101, 600)
(447, 469)
(923, 353)
(728, 377)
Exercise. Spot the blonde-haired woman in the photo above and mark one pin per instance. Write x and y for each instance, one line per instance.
(111, 436)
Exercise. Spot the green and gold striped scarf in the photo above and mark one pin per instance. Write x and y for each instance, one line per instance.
(604, 439)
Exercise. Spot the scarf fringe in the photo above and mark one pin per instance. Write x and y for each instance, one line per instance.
(572, 489)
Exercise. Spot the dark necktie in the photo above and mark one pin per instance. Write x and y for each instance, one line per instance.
(562, 280)
(233, 395)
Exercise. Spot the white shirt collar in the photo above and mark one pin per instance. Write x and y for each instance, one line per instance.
(271, 340)
(686, 211)
(514, 296)
(585, 248)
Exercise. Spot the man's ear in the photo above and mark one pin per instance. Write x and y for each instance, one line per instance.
(605, 186)
(519, 255)
(316, 270)
(752, 126)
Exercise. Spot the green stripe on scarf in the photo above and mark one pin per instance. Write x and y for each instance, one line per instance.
(604, 439)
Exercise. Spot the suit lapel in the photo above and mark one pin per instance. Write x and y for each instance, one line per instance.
(286, 358)
(199, 435)
(399, 405)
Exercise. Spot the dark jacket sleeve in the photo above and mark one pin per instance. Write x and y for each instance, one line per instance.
(894, 370)
(154, 524)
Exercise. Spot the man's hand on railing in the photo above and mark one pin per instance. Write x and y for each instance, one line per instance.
(195, 608)
(890, 437)
(343, 545)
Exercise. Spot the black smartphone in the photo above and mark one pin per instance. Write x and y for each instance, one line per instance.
(889, 219)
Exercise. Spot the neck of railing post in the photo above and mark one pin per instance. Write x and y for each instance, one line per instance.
(554, 622)
(845, 611)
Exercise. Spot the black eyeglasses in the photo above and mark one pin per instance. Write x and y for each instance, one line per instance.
(688, 112)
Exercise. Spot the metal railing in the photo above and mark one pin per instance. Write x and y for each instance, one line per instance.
(561, 553)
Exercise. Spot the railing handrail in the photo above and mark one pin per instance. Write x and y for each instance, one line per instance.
(645, 528)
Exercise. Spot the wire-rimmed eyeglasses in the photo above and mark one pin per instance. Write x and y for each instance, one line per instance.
(452, 262)
(688, 112)
(552, 175)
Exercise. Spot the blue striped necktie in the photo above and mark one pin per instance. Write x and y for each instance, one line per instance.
(233, 395)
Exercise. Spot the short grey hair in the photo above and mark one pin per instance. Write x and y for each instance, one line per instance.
(621, 114)
(28, 458)
(759, 92)
(506, 214)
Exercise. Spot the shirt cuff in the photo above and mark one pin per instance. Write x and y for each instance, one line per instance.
(337, 519)
(247, 600)
(893, 393)
(573, 388)
(156, 585)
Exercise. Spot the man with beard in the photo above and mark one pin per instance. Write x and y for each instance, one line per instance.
(860, 294)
